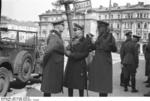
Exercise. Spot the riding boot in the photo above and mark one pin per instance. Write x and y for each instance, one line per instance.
(70, 92)
(133, 82)
(47, 94)
(103, 94)
(81, 92)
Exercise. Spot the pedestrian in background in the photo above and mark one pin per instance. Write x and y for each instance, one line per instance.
(146, 63)
(100, 71)
(76, 68)
(130, 62)
(128, 38)
(53, 61)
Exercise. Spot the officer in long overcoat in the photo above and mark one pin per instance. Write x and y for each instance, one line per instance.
(100, 71)
(128, 38)
(130, 62)
(75, 73)
(53, 62)
(147, 60)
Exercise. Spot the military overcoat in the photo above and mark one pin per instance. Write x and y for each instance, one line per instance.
(76, 68)
(53, 65)
(100, 70)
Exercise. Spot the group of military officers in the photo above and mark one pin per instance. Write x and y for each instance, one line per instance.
(98, 71)
(129, 60)
(77, 72)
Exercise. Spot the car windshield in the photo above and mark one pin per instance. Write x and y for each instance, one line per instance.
(24, 37)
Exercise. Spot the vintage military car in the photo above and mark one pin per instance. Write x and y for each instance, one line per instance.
(17, 59)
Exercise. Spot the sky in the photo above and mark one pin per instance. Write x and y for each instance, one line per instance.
(28, 10)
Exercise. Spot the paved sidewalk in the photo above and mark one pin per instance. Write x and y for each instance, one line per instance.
(34, 90)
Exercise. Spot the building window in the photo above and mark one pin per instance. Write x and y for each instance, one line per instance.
(128, 15)
(111, 25)
(99, 17)
(138, 15)
(145, 26)
(118, 16)
(139, 25)
(52, 19)
(144, 36)
(125, 24)
(145, 15)
(45, 19)
(131, 15)
(141, 15)
(105, 16)
(118, 26)
(130, 25)
(111, 16)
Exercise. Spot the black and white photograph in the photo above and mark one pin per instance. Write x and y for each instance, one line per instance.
(74, 48)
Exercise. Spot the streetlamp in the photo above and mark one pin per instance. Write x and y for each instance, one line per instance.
(67, 3)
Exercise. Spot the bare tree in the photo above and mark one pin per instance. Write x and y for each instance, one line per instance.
(57, 4)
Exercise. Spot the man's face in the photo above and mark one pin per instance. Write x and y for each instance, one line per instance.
(61, 28)
(79, 33)
(102, 29)
(135, 39)
(129, 36)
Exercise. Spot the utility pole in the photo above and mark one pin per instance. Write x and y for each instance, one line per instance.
(67, 3)
(109, 11)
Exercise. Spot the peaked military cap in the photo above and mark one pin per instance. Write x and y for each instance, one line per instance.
(59, 22)
(128, 33)
(78, 26)
(102, 23)
(137, 36)
(90, 34)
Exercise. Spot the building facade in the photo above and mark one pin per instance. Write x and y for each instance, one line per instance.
(135, 18)
(48, 17)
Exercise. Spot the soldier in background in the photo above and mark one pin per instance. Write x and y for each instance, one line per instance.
(146, 63)
(130, 62)
(53, 61)
(128, 38)
(147, 60)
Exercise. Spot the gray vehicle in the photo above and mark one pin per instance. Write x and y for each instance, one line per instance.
(17, 60)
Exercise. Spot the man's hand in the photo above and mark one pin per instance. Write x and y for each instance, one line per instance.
(67, 52)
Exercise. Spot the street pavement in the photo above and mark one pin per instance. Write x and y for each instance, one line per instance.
(33, 88)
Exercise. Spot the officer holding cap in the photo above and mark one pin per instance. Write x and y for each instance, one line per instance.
(130, 62)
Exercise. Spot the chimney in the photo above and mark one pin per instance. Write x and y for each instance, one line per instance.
(100, 7)
(128, 5)
(141, 3)
(115, 5)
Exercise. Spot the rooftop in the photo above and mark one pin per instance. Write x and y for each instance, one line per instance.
(128, 6)
(114, 7)
(7, 20)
